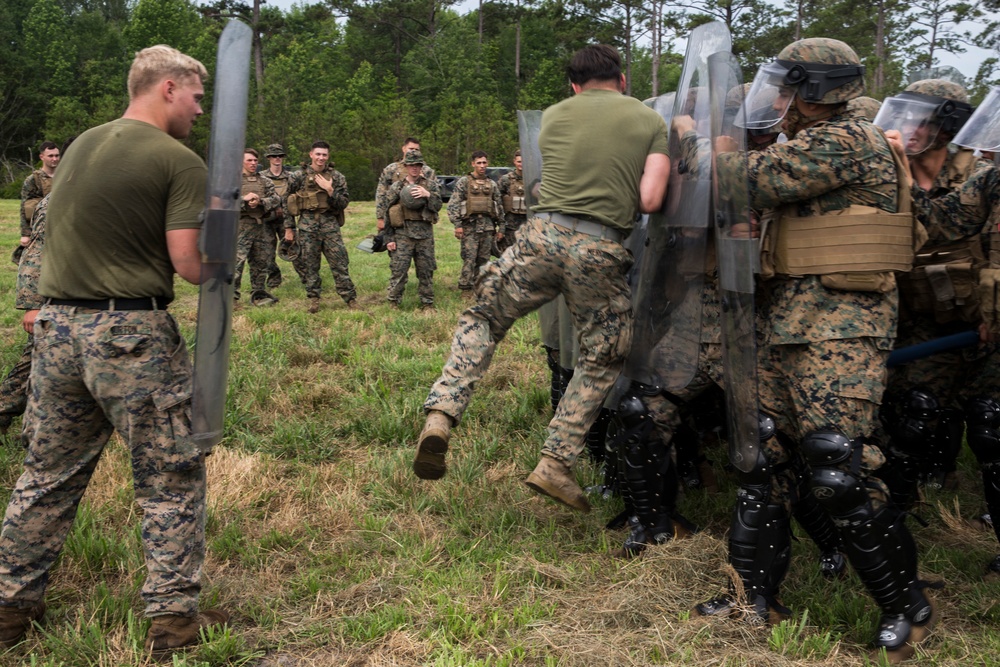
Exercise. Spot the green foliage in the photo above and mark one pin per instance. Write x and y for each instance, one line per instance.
(173, 22)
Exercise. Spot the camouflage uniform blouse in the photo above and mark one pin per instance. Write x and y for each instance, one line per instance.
(827, 167)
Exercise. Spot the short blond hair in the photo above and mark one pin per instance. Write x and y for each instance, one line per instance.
(153, 64)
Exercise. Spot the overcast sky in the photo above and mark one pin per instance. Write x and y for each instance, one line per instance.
(967, 63)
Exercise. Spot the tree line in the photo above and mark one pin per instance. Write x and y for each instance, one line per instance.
(365, 74)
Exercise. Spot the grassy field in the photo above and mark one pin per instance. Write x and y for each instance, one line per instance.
(329, 551)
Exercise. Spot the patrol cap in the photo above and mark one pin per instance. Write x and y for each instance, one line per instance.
(275, 150)
(413, 157)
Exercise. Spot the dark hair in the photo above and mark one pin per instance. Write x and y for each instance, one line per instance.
(411, 140)
(598, 62)
(251, 151)
(478, 154)
(47, 146)
(517, 153)
(66, 145)
(320, 144)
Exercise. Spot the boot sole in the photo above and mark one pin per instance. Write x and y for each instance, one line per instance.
(429, 462)
(536, 484)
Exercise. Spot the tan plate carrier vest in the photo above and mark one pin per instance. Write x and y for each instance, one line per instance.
(255, 185)
(479, 196)
(514, 202)
(858, 248)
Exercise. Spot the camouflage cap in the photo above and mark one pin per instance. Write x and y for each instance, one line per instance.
(823, 70)
(275, 150)
(940, 88)
(864, 107)
(413, 157)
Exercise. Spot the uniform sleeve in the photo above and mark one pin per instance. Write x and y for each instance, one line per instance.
(457, 199)
(30, 268)
(381, 190)
(434, 201)
(501, 220)
(815, 163)
(271, 199)
(962, 212)
(29, 193)
(340, 197)
(186, 197)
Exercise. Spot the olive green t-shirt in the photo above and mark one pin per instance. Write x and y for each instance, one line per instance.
(594, 147)
(124, 185)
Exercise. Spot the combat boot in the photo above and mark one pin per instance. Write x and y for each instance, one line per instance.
(5, 422)
(313, 305)
(555, 480)
(15, 622)
(173, 631)
(432, 446)
(759, 610)
(899, 636)
(353, 305)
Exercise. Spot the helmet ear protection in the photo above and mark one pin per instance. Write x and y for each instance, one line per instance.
(814, 80)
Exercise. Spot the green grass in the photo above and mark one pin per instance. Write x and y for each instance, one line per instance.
(328, 551)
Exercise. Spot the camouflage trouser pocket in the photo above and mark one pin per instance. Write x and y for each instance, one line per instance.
(126, 340)
(176, 450)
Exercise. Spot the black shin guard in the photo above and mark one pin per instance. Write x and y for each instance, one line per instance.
(876, 540)
(910, 423)
(646, 474)
(983, 417)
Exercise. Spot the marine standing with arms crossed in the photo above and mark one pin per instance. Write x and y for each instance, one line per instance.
(604, 158)
(123, 218)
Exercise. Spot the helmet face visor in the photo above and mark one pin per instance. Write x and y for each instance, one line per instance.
(768, 100)
(914, 117)
(982, 130)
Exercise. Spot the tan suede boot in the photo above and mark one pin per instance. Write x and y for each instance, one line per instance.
(173, 631)
(555, 480)
(15, 622)
(432, 446)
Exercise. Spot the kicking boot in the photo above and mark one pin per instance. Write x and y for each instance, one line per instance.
(15, 622)
(555, 480)
(432, 446)
(899, 635)
(313, 305)
(759, 610)
(173, 631)
(832, 565)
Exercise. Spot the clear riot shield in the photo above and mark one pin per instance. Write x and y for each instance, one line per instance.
(737, 256)
(529, 125)
(218, 235)
(982, 130)
(667, 296)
